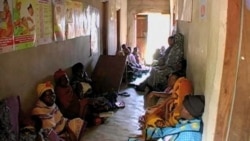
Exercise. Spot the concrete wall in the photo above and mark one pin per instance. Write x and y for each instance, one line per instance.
(113, 6)
(143, 6)
(22, 70)
(204, 51)
(123, 26)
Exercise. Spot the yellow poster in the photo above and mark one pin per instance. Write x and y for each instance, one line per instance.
(78, 13)
(86, 20)
(70, 20)
(44, 30)
(24, 14)
(59, 11)
(6, 26)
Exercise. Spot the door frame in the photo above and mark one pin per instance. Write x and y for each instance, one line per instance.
(229, 73)
(105, 6)
(118, 26)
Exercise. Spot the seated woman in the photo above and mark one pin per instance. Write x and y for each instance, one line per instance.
(167, 112)
(131, 59)
(158, 73)
(52, 119)
(136, 55)
(172, 78)
(189, 127)
(68, 102)
(79, 75)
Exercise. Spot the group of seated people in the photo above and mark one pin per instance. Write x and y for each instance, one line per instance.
(173, 113)
(63, 111)
(170, 61)
(135, 65)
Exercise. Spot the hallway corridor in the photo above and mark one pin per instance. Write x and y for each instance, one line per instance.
(124, 122)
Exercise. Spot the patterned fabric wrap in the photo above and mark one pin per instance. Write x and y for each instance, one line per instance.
(6, 133)
(27, 134)
(52, 118)
(185, 130)
(158, 77)
(182, 87)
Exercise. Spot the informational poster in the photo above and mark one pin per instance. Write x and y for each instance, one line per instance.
(78, 13)
(203, 9)
(44, 30)
(6, 26)
(70, 21)
(86, 20)
(59, 11)
(94, 30)
(24, 14)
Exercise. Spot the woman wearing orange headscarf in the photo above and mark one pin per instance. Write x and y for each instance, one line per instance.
(68, 102)
(167, 112)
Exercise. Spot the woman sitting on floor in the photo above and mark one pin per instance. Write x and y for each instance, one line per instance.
(172, 78)
(52, 119)
(68, 102)
(189, 126)
(166, 113)
(79, 75)
(158, 73)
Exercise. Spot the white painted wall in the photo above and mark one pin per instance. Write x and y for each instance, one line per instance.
(204, 51)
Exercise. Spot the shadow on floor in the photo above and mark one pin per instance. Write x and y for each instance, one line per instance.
(124, 122)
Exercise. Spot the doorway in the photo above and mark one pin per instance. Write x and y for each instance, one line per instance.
(152, 32)
(141, 33)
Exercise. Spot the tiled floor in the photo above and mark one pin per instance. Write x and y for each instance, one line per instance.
(124, 123)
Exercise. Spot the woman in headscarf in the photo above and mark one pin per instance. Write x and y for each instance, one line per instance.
(188, 128)
(157, 74)
(79, 75)
(167, 111)
(51, 117)
(68, 102)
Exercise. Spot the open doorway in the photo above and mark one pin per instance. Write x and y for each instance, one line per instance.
(152, 32)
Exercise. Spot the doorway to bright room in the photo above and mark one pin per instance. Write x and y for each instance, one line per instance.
(152, 32)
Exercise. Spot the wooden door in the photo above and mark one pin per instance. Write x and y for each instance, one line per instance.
(141, 33)
(239, 129)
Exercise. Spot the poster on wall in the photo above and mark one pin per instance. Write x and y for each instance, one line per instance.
(59, 19)
(59, 11)
(6, 26)
(70, 21)
(78, 13)
(203, 9)
(24, 14)
(94, 30)
(86, 20)
(44, 30)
